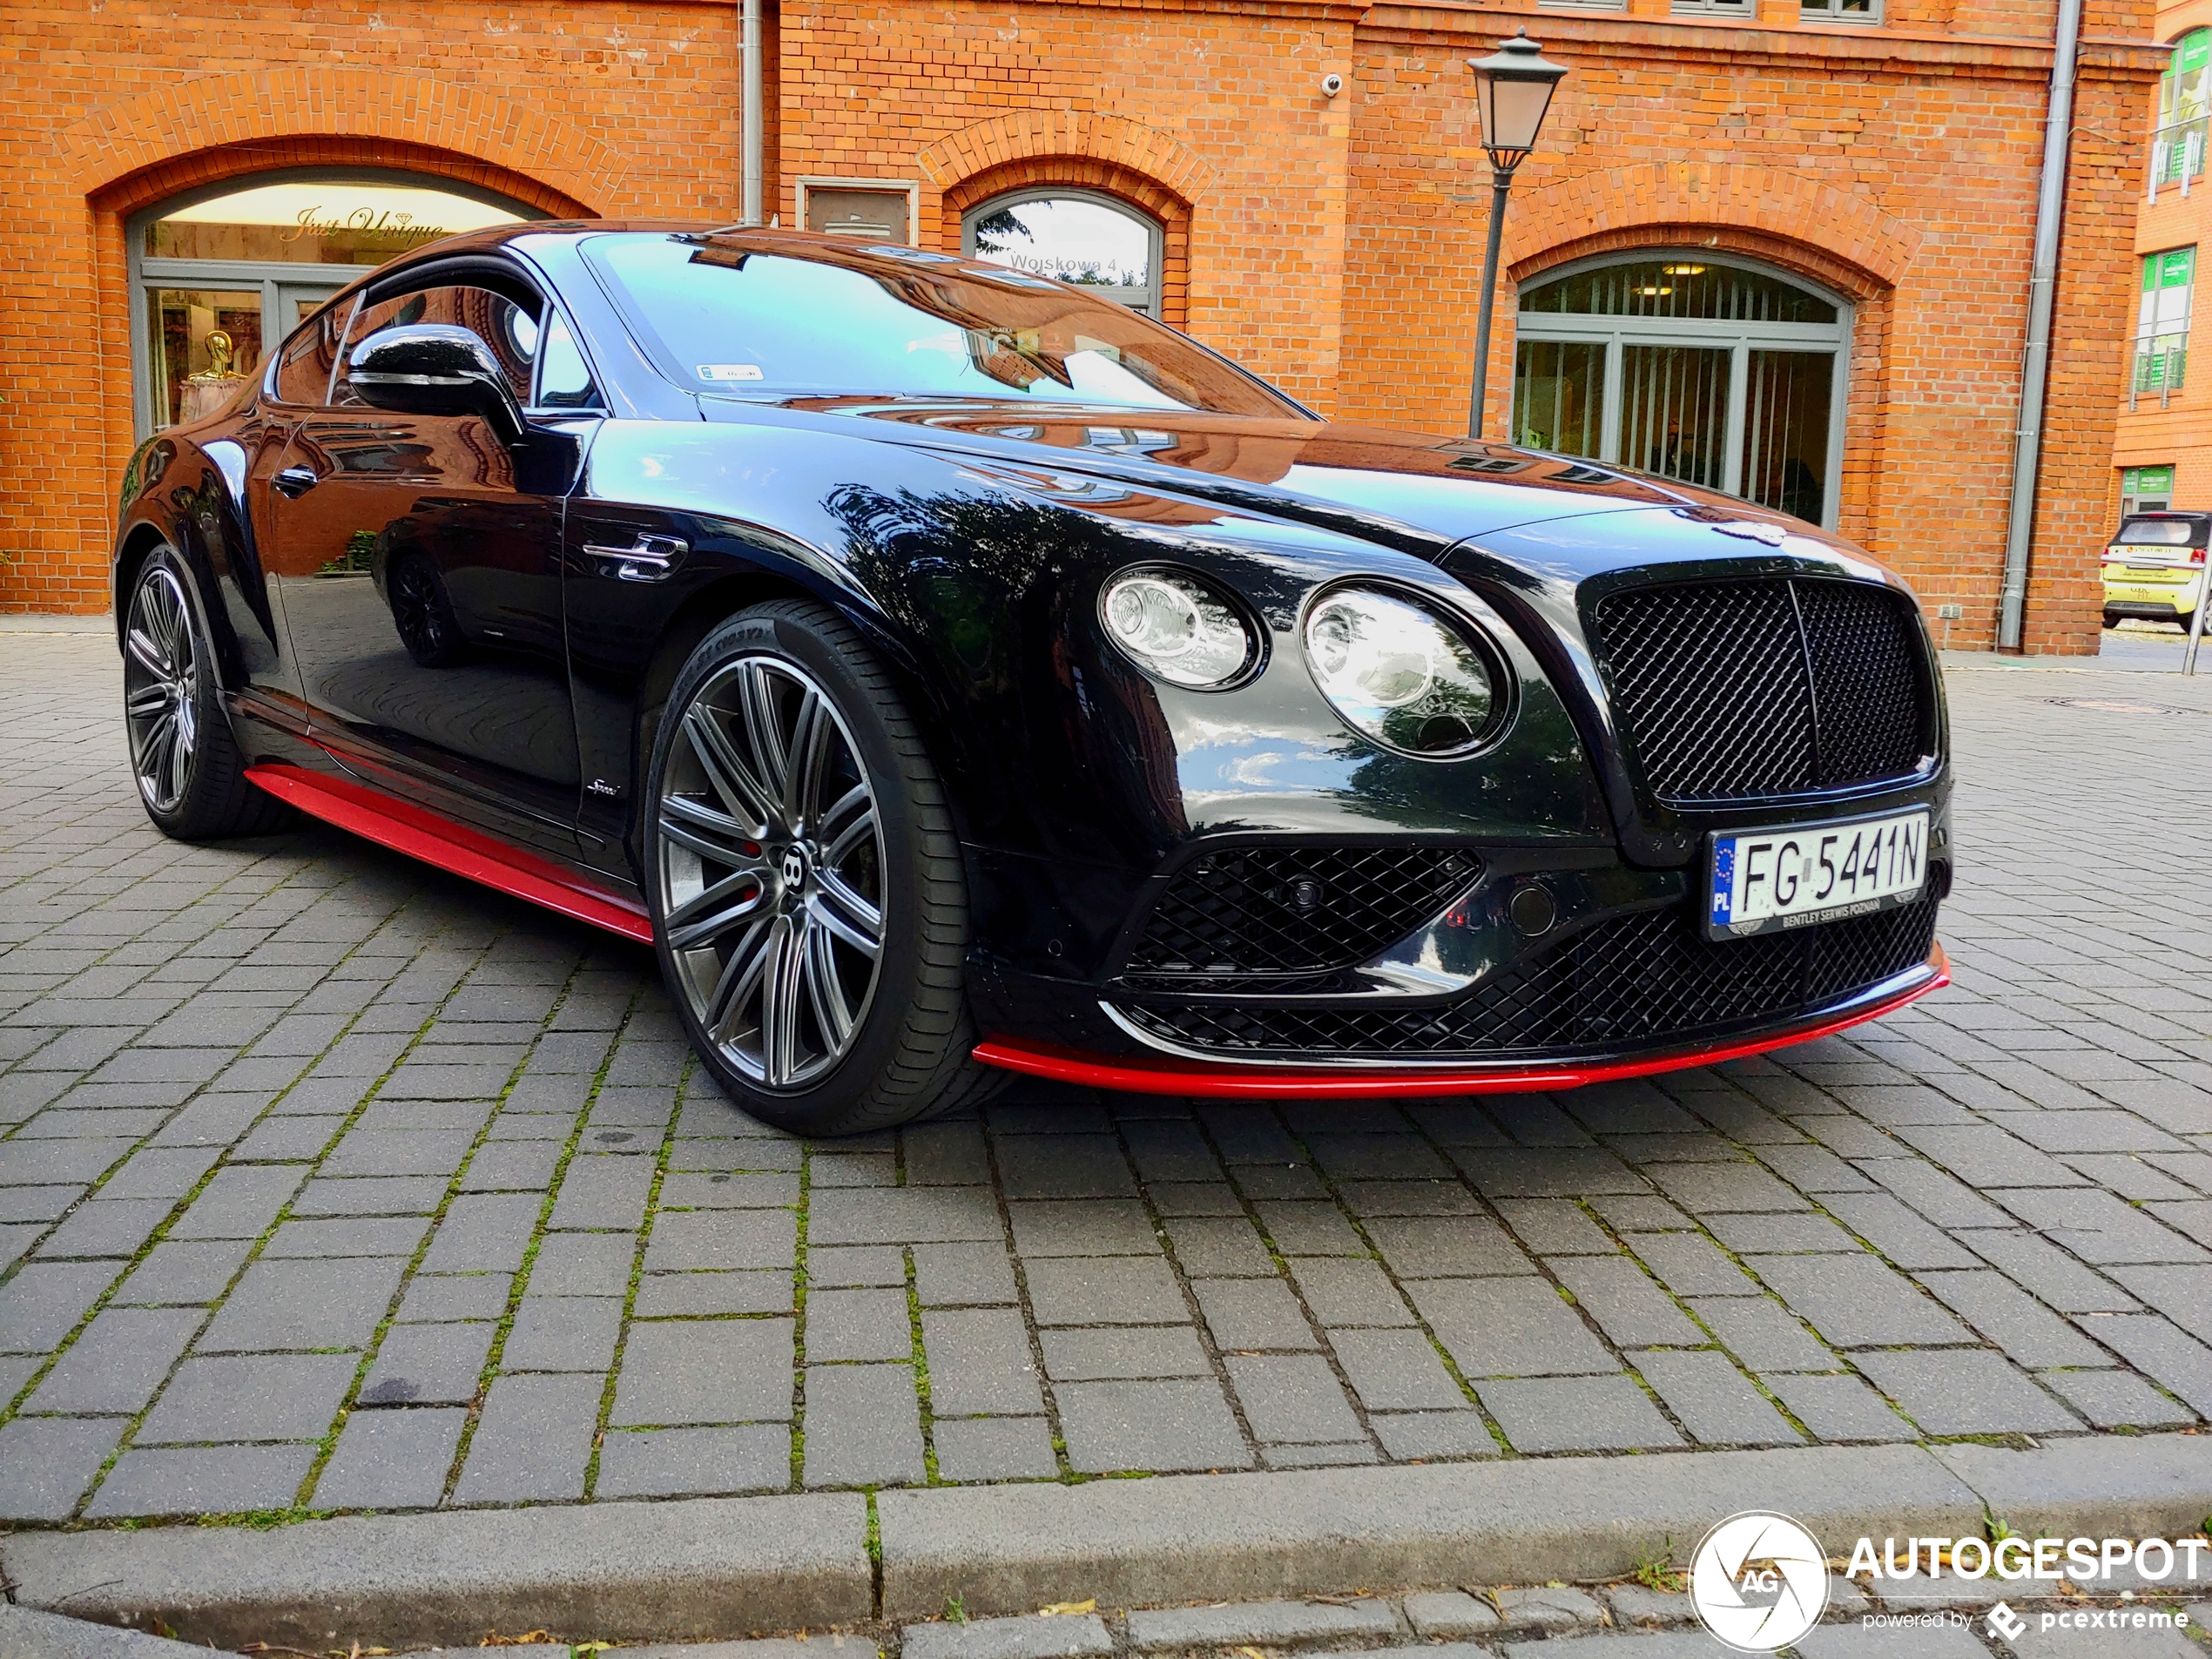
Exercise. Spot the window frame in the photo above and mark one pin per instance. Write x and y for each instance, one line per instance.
(1156, 231)
(1617, 332)
(2147, 330)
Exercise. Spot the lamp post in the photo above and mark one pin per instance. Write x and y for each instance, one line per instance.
(1513, 89)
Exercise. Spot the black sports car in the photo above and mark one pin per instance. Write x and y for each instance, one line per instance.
(951, 672)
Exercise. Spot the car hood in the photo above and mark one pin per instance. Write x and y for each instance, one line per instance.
(1418, 493)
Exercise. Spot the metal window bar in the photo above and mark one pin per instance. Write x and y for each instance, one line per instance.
(2160, 366)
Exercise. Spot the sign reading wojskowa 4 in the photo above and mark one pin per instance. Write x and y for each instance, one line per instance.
(1760, 1582)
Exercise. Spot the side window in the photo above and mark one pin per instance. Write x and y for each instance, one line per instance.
(563, 380)
(302, 372)
(506, 329)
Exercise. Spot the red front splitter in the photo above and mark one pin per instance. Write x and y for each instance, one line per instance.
(1142, 1075)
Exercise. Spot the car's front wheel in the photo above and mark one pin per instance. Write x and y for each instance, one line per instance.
(190, 770)
(808, 901)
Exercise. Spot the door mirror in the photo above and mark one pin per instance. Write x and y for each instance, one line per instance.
(434, 368)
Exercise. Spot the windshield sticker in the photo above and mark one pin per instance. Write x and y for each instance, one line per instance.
(730, 372)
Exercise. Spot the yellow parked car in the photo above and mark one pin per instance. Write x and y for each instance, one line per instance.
(2155, 567)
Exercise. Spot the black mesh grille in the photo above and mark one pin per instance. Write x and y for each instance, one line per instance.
(1734, 690)
(1634, 979)
(1287, 909)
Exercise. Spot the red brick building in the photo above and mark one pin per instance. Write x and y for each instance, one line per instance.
(1780, 246)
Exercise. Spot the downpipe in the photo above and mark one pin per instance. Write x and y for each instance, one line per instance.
(750, 123)
(2035, 360)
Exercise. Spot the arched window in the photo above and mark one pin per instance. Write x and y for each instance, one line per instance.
(2184, 96)
(1075, 235)
(1692, 365)
(219, 272)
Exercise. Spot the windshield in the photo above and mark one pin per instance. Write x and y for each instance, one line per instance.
(724, 316)
(2155, 532)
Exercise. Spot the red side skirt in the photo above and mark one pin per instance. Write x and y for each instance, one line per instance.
(423, 835)
(1143, 1075)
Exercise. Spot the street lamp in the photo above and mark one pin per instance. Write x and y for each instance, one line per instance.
(1513, 88)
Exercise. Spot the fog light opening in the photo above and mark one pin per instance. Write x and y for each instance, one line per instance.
(1532, 911)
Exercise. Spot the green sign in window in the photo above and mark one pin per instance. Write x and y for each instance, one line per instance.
(2146, 481)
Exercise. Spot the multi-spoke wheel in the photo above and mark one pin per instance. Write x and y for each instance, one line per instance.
(805, 880)
(421, 613)
(190, 772)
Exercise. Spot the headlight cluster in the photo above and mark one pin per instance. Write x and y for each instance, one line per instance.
(1172, 625)
(1404, 676)
(1395, 670)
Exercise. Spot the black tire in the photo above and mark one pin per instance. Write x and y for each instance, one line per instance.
(422, 612)
(190, 771)
(2112, 619)
(760, 874)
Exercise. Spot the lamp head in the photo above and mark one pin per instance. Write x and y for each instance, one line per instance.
(1513, 89)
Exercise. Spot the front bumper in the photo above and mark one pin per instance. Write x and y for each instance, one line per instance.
(1145, 1075)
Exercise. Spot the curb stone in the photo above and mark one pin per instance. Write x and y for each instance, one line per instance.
(26, 1633)
(692, 1570)
(705, 1569)
(1226, 1538)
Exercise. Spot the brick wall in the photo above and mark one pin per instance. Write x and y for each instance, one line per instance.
(1333, 245)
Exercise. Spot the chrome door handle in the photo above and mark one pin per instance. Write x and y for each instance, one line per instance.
(648, 559)
(296, 482)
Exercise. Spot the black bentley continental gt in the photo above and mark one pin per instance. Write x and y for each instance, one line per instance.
(951, 673)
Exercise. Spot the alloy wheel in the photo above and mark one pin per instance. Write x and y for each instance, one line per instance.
(160, 683)
(771, 871)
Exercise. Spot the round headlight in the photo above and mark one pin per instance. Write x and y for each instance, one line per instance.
(1398, 673)
(1174, 626)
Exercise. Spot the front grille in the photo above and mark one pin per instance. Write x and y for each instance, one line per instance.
(1733, 689)
(1295, 910)
(1624, 981)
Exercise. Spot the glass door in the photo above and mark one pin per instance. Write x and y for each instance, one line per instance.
(1673, 412)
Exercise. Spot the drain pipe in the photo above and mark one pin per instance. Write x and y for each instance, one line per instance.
(750, 124)
(2035, 362)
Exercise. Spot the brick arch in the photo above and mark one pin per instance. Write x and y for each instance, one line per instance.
(240, 162)
(1027, 134)
(244, 112)
(1084, 173)
(1794, 221)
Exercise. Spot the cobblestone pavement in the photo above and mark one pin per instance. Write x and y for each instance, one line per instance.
(329, 1182)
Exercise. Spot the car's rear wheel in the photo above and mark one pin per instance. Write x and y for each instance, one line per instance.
(808, 901)
(190, 773)
(2112, 619)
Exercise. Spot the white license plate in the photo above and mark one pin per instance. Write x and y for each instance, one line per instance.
(1769, 879)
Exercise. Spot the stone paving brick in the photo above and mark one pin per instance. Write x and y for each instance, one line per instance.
(1712, 1399)
(1440, 1247)
(1253, 1313)
(694, 1462)
(1159, 1425)
(1396, 1370)
(2047, 1272)
(398, 1152)
(1447, 1615)
(1516, 1328)
(430, 1365)
(348, 1235)
(857, 1324)
(118, 1363)
(45, 1300)
(532, 1442)
(855, 1265)
(304, 1304)
(2029, 1332)
(46, 1463)
(748, 1190)
(683, 1239)
(603, 1192)
(979, 1362)
(863, 1426)
(1291, 1398)
(239, 1202)
(433, 1297)
(2171, 1358)
(1310, 1230)
(1691, 1264)
(702, 1295)
(993, 1448)
(395, 1460)
(511, 1166)
(1219, 1247)
(2117, 1399)
(162, 1173)
(271, 1397)
(202, 1481)
(1175, 1629)
(1349, 1292)
(1105, 1291)
(1431, 1435)
(1576, 1414)
(705, 1371)
(1763, 1334)
(1146, 1351)
(900, 1215)
(584, 1264)
(1965, 1391)
(563, 1333)
(939, 1155)
(1555, 1227)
